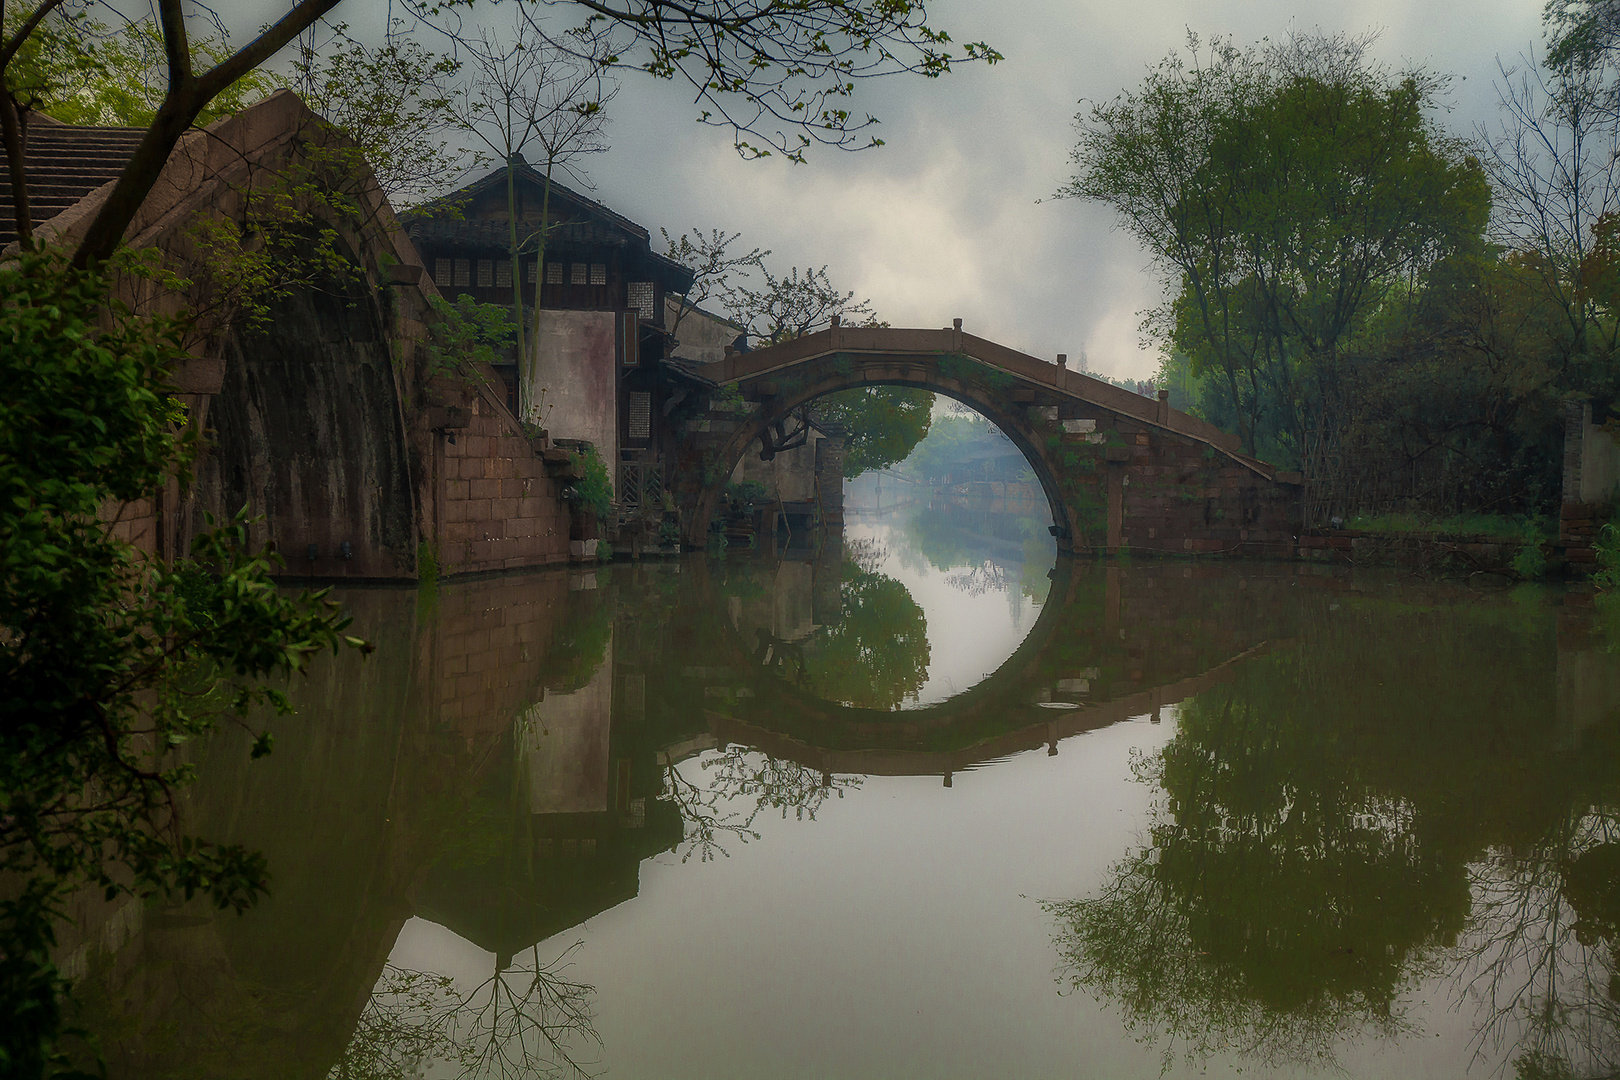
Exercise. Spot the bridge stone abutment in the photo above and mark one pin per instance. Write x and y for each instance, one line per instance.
(1121, 472)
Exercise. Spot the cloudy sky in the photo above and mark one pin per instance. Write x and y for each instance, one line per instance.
(953, 217)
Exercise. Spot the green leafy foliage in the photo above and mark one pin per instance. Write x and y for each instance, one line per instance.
(1607, 548)
(80, 70)
(790, 306)
(875, 654)
(593, 490)
(881, 424)
(1288, 194)
(466, 334)
(395, 101)
(112, 660)
(748, 493)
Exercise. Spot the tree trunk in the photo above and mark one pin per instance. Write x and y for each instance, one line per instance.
(517, 290)
(15, 133)
(540, 272)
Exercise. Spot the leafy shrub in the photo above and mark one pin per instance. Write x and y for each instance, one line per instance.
(748, 493)
(110, 657)
(593, 491)
(1530, 563)
(467, 333)
(1607, 547)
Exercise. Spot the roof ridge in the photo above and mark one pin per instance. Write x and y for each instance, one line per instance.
(498, 175)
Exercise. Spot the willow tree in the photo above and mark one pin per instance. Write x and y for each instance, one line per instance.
(1287, 193)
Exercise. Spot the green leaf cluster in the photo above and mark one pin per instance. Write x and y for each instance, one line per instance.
(81, 70)
(1290, 195)
(875, 654)
(111, 659)
(594, 489)
(466, 334)
(882, 425)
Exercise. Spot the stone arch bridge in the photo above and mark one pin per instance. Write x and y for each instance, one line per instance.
(1121, 471)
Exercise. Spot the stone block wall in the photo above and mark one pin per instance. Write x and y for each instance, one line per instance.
(1134, 486)
(498, 508)
(491, 637)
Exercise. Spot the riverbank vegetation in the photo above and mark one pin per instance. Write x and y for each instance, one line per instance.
(1395, 309)
(112, 659)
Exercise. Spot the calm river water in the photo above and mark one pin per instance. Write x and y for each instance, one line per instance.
(920, 804)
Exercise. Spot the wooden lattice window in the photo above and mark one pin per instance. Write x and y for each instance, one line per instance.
(463, 272)
(554, 273)
(577, 273)
(486, 273)
(641, 298)
(598, 273)
(640, 415)
(503, 274)
(442, 271)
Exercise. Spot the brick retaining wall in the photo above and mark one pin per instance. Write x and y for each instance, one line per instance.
(500, 508)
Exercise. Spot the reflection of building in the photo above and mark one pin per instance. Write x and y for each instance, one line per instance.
(566, 817)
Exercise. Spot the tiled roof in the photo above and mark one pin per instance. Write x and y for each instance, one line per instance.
(560, 194)
(440, 221)
(62, 165)
(481, 233)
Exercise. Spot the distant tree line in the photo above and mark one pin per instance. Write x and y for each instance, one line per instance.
(1398, 311)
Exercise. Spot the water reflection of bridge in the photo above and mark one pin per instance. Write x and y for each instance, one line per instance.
(1109, 644)
(899, 761)
(501, 766)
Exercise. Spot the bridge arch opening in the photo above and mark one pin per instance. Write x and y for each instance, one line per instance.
(772, 419)
(923, 602)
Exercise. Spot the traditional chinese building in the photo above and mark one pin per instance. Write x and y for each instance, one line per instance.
(598, 375)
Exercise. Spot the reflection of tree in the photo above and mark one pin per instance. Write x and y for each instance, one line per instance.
(987, 577)
(406, 1022)
(580, 643)
(1275, 910)
(1330, 827)
(526, 1021)
(866, 552)
(756, 783)
(1547, 986)
(1541, 949)
(875, 654)
(991, 552)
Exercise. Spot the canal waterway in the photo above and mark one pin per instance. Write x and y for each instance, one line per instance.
(919, 801)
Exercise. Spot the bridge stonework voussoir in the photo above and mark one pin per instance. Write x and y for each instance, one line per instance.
(1120, 471)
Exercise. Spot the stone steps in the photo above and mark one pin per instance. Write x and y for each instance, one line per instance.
(64, 164)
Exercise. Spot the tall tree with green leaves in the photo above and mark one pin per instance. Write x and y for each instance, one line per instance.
(1287, 193)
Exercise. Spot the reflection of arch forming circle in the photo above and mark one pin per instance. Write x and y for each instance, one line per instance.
(1008, 687)
(970, 388)
(1000, 715)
